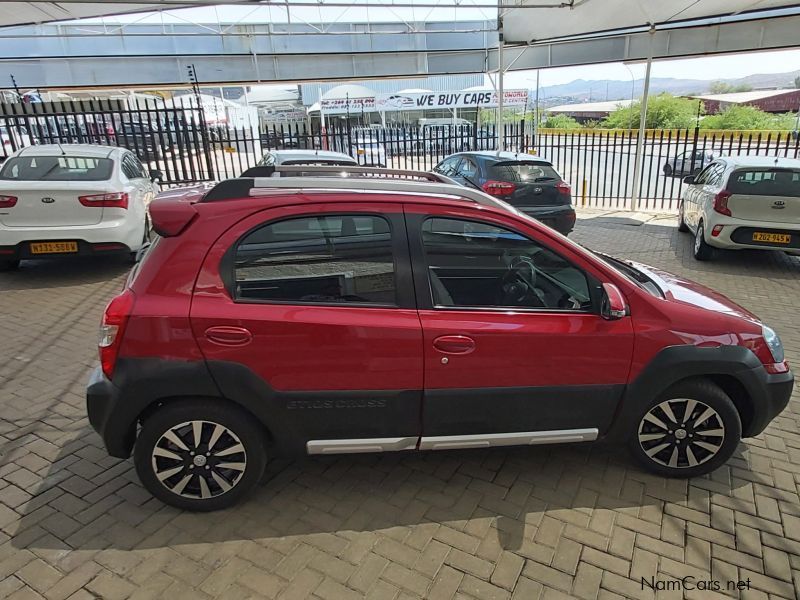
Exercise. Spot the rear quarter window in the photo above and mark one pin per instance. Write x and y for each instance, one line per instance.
(765, 182)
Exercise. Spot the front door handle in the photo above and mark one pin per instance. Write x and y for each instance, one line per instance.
(454, 344)
(229, 336)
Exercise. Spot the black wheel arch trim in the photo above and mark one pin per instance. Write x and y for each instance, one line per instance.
(765, 395)
(139, 384)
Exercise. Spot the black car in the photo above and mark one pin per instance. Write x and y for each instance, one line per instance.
(145, 141)
(528, 183)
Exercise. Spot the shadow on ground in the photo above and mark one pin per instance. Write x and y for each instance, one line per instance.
(511, 489)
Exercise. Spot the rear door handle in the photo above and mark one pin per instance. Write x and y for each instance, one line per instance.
(229, 336)
(454, 344)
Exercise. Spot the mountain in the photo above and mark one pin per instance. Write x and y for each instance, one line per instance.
(583, 90)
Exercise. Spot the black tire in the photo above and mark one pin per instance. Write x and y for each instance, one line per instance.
(241, 429)
(667, 169)
(723, 417)
(681, 223)
(701, 250)
(9, 265)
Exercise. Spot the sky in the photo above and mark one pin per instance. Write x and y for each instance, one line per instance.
(728, 66)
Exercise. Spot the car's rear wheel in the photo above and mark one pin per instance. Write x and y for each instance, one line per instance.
(700, 249)
(690, 430)
(9, 265)
(681, 220)
(200, 455)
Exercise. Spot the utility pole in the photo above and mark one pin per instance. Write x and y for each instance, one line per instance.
(501, 141)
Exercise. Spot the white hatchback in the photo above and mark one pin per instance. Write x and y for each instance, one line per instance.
(743, 202)
(73, 200)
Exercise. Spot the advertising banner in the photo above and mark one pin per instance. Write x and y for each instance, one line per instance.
(423, 101)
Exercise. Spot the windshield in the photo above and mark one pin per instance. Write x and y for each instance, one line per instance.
(57, 168)
(523, 172)
(629, 271)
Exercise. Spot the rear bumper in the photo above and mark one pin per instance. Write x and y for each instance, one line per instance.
(22, 251)
(107, 237)
(105, 416)
(560, 218)
(738, 234)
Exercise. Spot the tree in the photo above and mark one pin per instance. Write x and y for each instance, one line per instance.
(797, 82)
(664, 111)
(744, 117)
(721, 87)
(560, 122)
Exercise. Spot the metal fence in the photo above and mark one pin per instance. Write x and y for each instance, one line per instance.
(600, 164)
(187, 144)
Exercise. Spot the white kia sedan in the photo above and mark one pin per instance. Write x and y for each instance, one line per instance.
(73, 200)
(743, 202)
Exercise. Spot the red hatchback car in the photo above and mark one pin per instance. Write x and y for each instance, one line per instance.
(321, 315)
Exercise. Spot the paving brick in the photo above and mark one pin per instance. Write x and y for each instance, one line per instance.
(559, 522)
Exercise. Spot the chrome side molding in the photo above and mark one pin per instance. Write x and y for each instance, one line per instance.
(517, 438)
(451, 442)
(354, 446)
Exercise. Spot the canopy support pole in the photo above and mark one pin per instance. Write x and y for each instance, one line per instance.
(638, 161)
(501, 138)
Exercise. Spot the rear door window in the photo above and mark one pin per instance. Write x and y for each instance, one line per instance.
(325, 259)
(523, 172)
(765, 182)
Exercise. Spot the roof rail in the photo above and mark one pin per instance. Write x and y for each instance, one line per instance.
(355, 179)
(361, 171)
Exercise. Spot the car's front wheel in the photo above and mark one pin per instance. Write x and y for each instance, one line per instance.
(681, 218)
(200, 454)
(667, 169)
(688, 431)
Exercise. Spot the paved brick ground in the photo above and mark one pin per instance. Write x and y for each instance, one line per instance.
(549, 522)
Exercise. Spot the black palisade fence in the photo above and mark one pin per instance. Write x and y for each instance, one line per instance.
(191, 143)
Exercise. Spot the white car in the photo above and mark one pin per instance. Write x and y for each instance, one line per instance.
(73, 200)
(367, 150)
(743, 202)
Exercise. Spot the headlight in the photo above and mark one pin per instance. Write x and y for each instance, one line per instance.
(773, 343)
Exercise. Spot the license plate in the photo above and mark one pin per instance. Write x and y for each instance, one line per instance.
(53, 247)
(775, 238)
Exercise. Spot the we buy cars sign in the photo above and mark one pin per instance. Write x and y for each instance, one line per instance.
(423, 100)
(472, 99)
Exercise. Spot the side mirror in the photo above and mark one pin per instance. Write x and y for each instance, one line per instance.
(688, 180)
(156, 175)
(613, 305)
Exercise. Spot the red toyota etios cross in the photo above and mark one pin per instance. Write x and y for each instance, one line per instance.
(349, 309)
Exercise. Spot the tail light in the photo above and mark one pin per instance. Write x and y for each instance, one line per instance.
(563, 188)
(112, 200)
(7, 201)
(499, 188)
(112, 329)
(721, 203)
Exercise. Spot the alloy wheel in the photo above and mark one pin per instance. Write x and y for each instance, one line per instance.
(698, 239)
(199, 459)
(681, 433)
